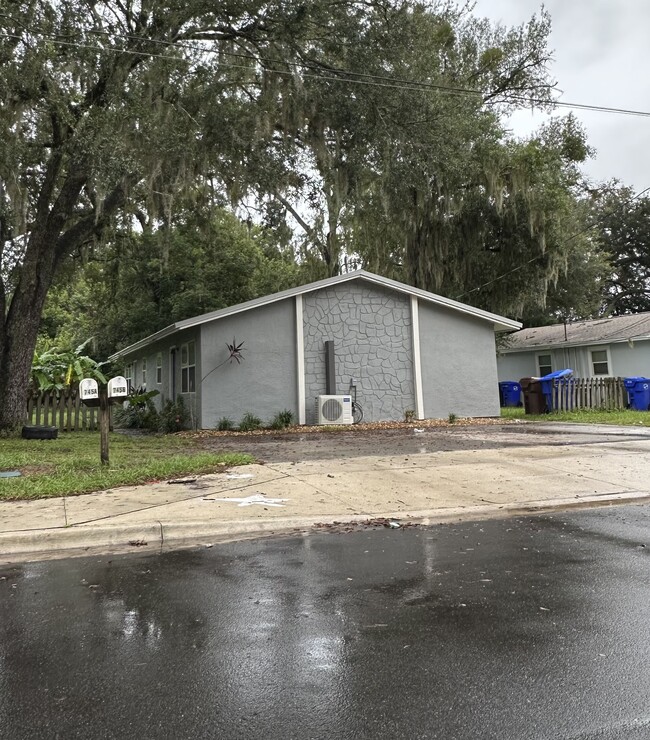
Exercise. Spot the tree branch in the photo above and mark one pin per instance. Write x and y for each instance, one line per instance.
(90, 225)
(308, 230)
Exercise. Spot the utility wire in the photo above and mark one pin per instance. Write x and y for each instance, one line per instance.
(333, 75)
(536, 257)
(151, 55)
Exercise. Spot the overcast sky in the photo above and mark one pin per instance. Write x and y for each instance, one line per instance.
(601, 58)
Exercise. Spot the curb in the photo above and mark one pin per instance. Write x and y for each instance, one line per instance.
(87, 538)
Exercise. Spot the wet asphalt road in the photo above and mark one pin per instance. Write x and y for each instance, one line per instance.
(514, 629)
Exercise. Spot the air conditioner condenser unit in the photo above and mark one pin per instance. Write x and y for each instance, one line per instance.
(334, 409)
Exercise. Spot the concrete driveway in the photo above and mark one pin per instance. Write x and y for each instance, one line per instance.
(435, 474)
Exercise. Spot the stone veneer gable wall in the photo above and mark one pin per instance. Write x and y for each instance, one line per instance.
(372, 331)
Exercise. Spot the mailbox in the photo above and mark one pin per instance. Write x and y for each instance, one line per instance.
(89, 392)
(118, 388)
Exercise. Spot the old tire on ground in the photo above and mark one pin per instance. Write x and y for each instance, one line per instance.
(40, 432)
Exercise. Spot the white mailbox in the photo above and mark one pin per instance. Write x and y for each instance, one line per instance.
(89, 392)
(118, 387)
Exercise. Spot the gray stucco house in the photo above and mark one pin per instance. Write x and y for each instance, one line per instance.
(618, 346)
(406, 349)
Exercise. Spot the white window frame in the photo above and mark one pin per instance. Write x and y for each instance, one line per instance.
(592, 372)
(128, 375)
(144, 373)
(540, 366)
(159, 368)
(187, 367)
(173, 375)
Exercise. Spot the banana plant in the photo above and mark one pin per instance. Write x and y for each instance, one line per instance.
(56, 369)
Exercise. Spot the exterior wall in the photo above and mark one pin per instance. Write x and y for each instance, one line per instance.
(629, 360)
(265, 382)
(372, 331)
(459, 373)
(150, 353)
(516, 365)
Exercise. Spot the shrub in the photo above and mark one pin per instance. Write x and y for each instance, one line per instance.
(138, 412)
(249, 422)
(452, 418)
(282, 420)
(173, 417)
(225, 424)
(409, 415)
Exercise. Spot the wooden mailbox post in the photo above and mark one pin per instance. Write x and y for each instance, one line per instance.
(92, 395)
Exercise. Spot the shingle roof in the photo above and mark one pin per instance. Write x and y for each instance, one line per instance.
(500, 323)
(595, 331)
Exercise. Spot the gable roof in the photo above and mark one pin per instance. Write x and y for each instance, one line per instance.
(595, 331)
(500, 323)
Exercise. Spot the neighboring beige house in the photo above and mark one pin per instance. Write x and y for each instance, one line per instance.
(618, 346)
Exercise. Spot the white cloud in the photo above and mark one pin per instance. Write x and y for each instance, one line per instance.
(601, 53)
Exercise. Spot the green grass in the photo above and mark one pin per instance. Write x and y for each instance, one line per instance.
(624, 417)
(70, 464)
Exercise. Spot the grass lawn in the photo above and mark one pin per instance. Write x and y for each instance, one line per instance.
(70, 464)
(624, 417)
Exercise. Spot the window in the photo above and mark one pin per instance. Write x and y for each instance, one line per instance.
(544, 364)
(128, 374)
(188, 368)
(159, 368)
(144, 373)
(599, 362)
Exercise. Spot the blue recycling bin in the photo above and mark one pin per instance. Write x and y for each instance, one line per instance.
(547, 385)
(510, 393)
(638, 391)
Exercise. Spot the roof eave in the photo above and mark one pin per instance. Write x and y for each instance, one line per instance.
(571, 345)
(171, 329)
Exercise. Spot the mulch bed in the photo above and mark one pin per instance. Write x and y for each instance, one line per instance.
(352, 428)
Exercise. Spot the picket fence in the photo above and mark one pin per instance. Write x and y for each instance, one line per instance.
(571, 394)
(62, 409)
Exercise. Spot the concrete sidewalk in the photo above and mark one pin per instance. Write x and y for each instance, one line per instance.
(285, 497)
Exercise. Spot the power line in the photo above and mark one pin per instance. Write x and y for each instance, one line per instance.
(334, 75)
(151, 55)
(536, 257)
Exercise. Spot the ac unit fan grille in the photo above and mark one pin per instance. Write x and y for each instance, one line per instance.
(332, 409)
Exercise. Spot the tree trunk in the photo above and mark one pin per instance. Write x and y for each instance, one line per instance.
(20, 330)
(49, 245)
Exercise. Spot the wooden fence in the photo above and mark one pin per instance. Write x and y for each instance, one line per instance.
(571, 394)
(62, 409)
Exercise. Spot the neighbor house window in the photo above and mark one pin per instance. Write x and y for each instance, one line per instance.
(144, 373)
(159, 368)
(544, 364)
(599, 362)
(188, 368)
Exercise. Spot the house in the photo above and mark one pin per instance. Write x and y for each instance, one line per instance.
(618, 346)
(406, 349)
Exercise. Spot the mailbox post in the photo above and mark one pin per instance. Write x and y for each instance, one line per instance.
(105, 396)
(104, 424)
